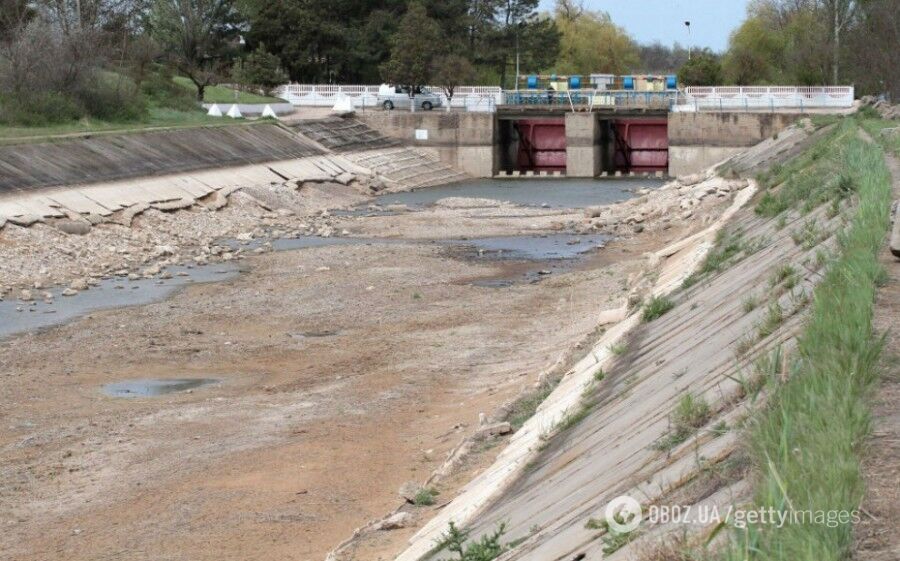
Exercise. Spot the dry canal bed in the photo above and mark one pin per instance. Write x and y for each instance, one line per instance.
(341, 371)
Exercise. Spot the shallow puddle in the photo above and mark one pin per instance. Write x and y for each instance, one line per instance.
(553, 193)
(116, 292)
(155, 387)
(532, 248)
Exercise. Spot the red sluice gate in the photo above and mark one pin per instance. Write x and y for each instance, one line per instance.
(542, 144)
(642, 145)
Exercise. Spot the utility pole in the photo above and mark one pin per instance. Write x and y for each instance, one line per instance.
(688, 25)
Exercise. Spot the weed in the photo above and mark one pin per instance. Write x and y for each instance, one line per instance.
(809, 235)
(690, 414)
(719, 428)
(781, 273)
(618, 349)
(749, 304)
(773, 318)
(485, 549)
(781, 222)
(425, 496)
(656, 307)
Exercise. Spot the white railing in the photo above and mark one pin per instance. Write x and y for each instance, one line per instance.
(472, 98)
(717, 98)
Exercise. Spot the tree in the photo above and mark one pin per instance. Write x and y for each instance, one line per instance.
(755, 54)
(451, 71)
(703, 69)
(413, 49)
(591, 42)
(260, 69)
(842, 13)
(195, 34)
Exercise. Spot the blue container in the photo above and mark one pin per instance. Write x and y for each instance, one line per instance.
(531, 83)
(574, 82)
(627, 82)
(671, 82)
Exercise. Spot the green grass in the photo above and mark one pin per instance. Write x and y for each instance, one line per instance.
(156, 118)
(807, 442)
(691, 413)
(425, 496)
(656, 307)
(524, 408)
(222, 94)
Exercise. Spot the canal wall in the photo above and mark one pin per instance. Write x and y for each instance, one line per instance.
(702, 139)
(466, 141)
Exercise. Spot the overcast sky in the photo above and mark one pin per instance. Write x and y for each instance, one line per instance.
(663, 20)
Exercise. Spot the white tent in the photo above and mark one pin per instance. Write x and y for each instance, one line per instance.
(234, 112)
(214, 111)
(268, 112)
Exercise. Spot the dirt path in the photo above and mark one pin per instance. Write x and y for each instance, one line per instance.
(877, 538)
(337, 385)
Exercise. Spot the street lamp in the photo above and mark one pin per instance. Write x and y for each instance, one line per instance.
(688, 25)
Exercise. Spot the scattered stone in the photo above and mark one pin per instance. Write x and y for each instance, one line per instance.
(395, 521)
(26, 296)
(79, 284)
(74, 227)
(496, 429)
(69, 292)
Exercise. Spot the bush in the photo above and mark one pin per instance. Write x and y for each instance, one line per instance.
(110, 97)
(39, 109)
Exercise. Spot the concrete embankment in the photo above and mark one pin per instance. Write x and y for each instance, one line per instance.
(96, 185)
(740, 291)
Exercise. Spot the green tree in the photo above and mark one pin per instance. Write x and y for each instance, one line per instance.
(195, 35)
(755, 54)
(591, 42)
(451, 71)
(413, 49)
(261, 69)
(702, 69)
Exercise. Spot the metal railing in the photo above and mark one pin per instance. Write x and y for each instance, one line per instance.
(590, 99)
(718, 98)
(470, 98)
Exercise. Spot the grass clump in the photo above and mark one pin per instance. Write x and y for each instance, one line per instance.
(656, 307)
(524, 408)
(773, 318)
(807, 442)
(425, 496)
(691, 413)
(618, 349)
(485, 549)
(749, 304)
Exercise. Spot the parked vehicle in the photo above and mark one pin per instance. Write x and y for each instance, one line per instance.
(390, 97)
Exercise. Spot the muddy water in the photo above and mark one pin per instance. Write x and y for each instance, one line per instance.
(556, 251)
(553, 193)
(20, 317)
(155, 387)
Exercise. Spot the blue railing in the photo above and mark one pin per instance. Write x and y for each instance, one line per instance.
(591, 99)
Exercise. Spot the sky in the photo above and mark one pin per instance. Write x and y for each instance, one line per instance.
(663, 20)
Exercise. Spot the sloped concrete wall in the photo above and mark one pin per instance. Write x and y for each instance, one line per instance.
(467, 141)
(702, 139)
(112, 157)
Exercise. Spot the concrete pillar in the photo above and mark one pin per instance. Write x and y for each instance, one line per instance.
(477, 152)
(583, 157)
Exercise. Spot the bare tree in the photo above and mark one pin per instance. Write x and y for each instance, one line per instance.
(194, 34)
(842, 14)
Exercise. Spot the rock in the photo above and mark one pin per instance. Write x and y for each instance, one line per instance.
(79, 284)
(395, 521)
(344, 178)
(26, 296)
(638, 228)
(163, 250)
(24, 219)
(165, 275)
(409, 490)
(69, 292)
(322, 269)
(244, 237)
(133, 276)
(151, 271)
(496, 429)
(284, 212)
(74, 227)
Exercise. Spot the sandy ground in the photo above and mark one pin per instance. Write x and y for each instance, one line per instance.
(344, 372)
